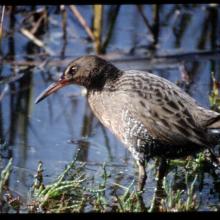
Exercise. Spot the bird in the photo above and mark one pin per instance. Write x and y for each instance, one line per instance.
(150, 115)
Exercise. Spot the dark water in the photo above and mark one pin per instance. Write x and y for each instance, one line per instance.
(53, 130)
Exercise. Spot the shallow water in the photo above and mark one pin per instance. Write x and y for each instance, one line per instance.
(51, 130)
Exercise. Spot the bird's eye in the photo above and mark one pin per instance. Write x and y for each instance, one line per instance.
(72, 70)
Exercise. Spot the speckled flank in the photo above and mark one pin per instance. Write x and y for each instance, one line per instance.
(152, 116)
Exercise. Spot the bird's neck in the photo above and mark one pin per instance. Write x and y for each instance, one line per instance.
(104, 79)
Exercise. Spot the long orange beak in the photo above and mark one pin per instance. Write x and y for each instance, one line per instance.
(51, 89)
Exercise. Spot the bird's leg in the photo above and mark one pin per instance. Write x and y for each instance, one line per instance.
(142, 176)
(161, 170)
(158, 193)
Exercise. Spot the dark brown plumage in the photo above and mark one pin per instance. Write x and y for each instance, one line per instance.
(149, 114)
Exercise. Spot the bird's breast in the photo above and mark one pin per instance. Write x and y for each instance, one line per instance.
(114, 113)
(108, 110)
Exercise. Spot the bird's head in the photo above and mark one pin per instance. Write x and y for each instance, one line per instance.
(90, 71)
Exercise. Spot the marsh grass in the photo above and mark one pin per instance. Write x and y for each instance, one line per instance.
(5, 173)
(214, 97)
(8, 202)
(75, 191)
(179, 200)
(63, 195)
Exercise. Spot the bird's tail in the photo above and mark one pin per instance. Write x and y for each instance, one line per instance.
(213, 128)
(214, 124)
(208, 119)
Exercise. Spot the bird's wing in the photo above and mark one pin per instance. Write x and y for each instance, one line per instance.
(164, 109)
